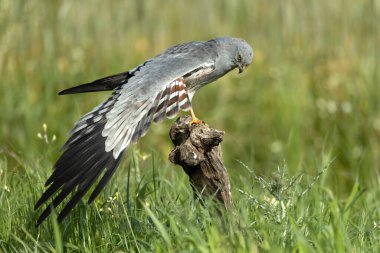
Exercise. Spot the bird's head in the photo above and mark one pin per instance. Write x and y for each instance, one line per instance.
(243, 54)
(237, 53)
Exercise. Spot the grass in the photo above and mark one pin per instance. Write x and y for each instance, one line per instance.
(302, 124)
(280, 213)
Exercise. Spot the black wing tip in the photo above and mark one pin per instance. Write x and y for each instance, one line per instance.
(112, 165)
(39, 222)
(92, 163)
(37, 205)
(41, 200)
(65, 92)
(102, 84)
(84, 88)
(44, 215)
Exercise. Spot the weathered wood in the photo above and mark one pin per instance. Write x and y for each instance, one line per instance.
(197, 150)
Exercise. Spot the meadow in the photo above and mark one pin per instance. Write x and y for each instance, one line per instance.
(302, 124)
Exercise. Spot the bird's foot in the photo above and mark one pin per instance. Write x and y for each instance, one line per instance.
(196, 121)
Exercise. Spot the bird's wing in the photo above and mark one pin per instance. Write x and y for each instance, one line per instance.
(100, 138)
(106, 83)
(103, 84)
(114, 81)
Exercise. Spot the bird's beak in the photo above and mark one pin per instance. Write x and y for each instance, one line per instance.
(241, 68)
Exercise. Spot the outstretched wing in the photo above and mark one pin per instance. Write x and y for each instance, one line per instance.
(101, 137)
(106, 83)
(103, 84)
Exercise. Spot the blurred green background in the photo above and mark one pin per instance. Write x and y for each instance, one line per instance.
(311, 94)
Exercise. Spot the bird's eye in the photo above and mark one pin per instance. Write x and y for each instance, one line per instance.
(238, 58)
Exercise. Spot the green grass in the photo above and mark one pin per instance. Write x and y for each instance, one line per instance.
(275, 214)
(304, 120)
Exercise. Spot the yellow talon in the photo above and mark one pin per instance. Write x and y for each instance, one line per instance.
(194, 120)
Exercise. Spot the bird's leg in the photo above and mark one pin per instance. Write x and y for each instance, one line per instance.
(194, 119)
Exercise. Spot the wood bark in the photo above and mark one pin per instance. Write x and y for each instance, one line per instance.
(197, 150)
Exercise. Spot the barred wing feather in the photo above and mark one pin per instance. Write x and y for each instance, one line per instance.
(101, 137)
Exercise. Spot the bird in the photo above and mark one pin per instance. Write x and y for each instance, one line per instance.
(161, 86)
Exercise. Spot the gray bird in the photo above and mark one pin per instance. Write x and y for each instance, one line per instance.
(157, 88)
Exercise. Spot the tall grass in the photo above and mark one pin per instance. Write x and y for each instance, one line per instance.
(311, 94)
(278, 213)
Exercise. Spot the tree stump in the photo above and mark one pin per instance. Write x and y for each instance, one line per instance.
(198, 151)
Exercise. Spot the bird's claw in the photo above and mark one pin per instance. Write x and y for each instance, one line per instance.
(196, 121)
